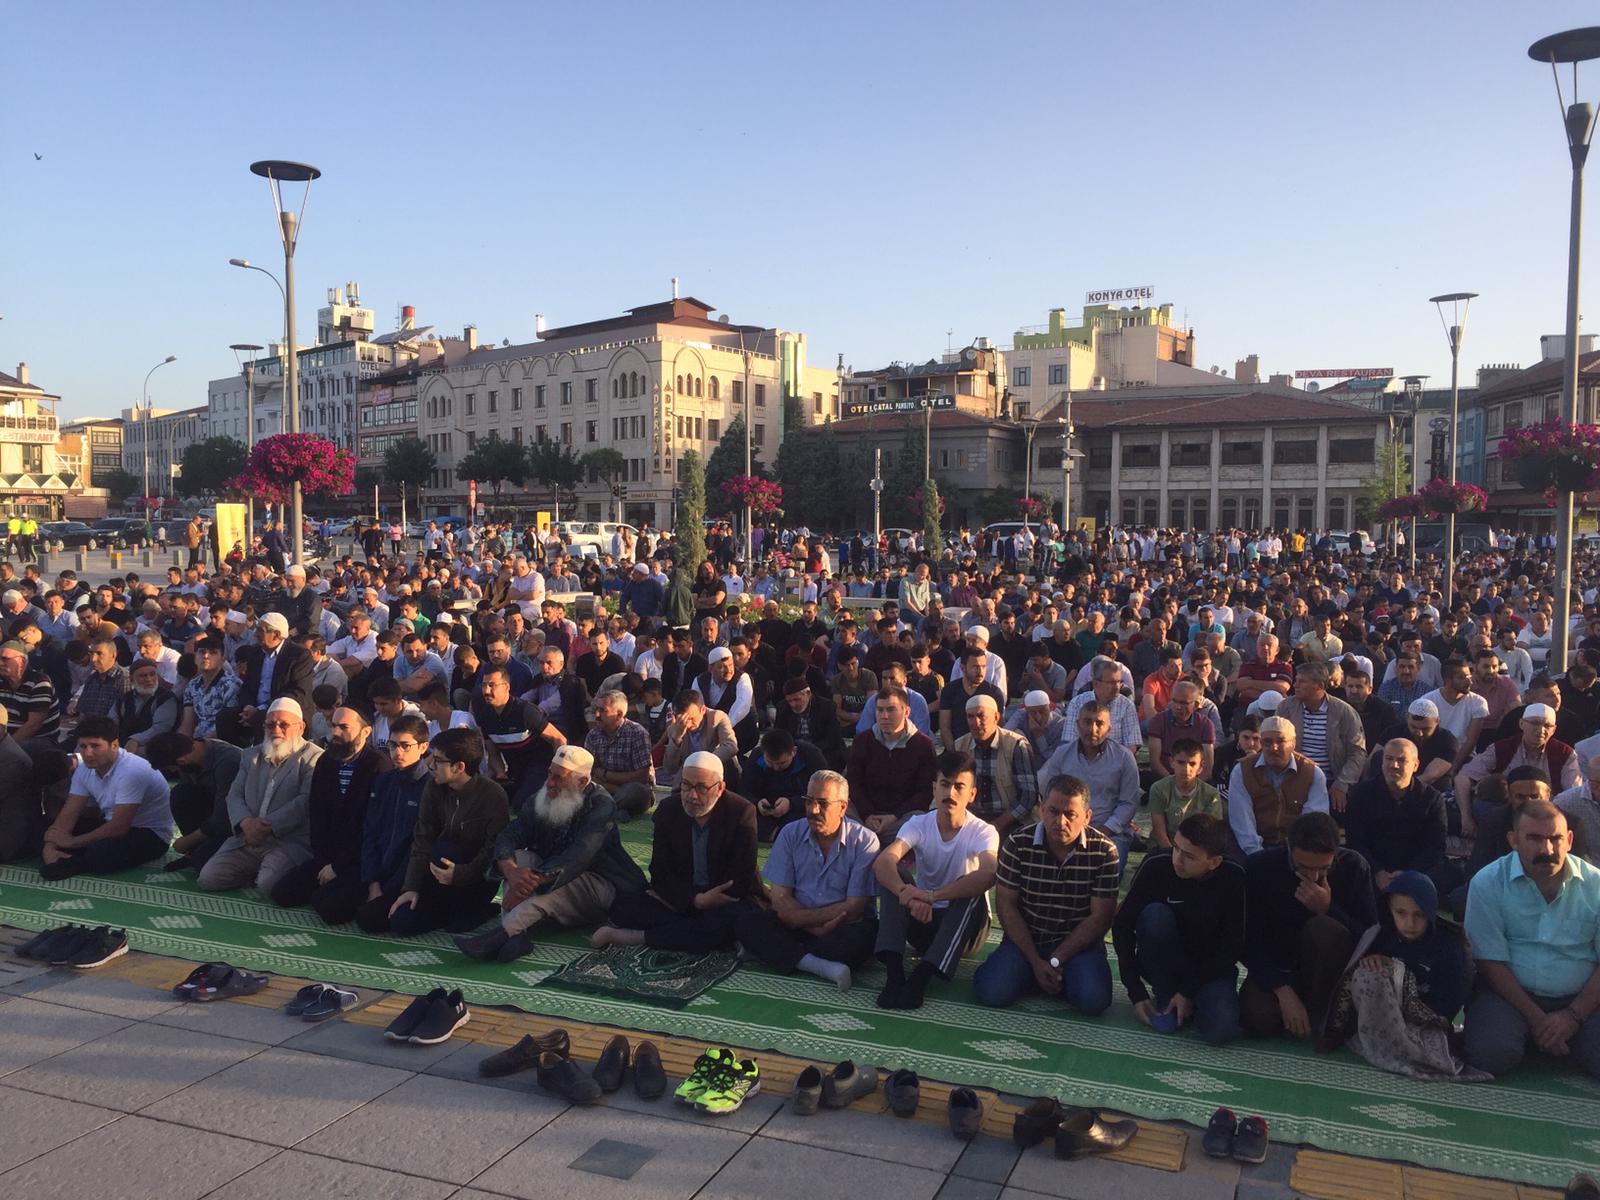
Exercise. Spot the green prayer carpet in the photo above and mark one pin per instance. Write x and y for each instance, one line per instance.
(1538, 1126)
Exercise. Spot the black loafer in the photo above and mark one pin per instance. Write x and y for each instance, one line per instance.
(1036, 1122)
(524, 1056)
(402, 1027)
(562, 1077)
(1220, 1131)
(613, 1064)
(965, 1113)
(847, 1083)
(1084, 1131)
(482, 946)
(903, 1091)
(649, 1076)
(1250, 1143)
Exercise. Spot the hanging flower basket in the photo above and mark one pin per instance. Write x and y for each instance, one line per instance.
(762, 495)
(1441, 498)
(1401, 508)
(1030, 507)
(278, 462)
(1554, 456)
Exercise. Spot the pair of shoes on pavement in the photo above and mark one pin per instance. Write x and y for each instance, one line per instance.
(840, 1088)
(719, 1082)
(218, 981)
(431, 1019)
(649, 1077)
(76, 946)
(1076, 1132)
(524, 1056)
(1228, 1137)
(493, 944)
(319, 1001)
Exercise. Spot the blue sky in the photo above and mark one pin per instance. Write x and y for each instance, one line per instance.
(1297, 179)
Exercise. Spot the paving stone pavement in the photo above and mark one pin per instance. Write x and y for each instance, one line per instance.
(108, 1088)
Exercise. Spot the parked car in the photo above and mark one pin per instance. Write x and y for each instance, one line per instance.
(1341, 539)
(591, 538)
(70, 535)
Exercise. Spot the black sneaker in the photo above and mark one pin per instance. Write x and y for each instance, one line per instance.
(445, 1015)
(68, 947)
(1220, 1131)
(402, 1027)
(100, 948)
(30, 948)
(1250, 1143)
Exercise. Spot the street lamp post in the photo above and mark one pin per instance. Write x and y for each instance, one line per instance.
(1029, 428)
(1454, 328)
(744, 353)
(1065, 421)
(1413, 384)
(1573, 46)
(277, 173)
(144, 437)
(244, 353)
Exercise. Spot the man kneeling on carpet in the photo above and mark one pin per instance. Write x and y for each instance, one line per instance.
(562, 860)
(129, 820)
(819, 876)
(943, 910)
(267, 806)
(703, 871)
(391, 821)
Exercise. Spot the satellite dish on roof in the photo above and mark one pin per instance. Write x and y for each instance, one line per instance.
(969, 355)
(1313, 387)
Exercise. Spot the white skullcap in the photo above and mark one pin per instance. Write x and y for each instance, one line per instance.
(296, 569)
(1423, 707)
(1036, 699)
(444, 618)
(1278, 725)
(720, 653)
(1266, 702)
(275, 621)
(575, 759)
(287, 704)
(236, 617)
(981, 632)
(704, 760)
(1539, 712)
(982, 701)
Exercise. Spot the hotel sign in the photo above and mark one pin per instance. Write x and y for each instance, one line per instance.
(866, 408)
(1347, 373)
(1120, 295)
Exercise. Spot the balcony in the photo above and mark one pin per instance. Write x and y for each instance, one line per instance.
(36, 430)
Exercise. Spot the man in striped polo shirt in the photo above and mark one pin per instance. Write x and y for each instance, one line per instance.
(28, 697)
(1056, 894)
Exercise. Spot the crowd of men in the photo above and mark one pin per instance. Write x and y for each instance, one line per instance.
(1303, 742)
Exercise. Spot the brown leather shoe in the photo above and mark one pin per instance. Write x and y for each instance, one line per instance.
(525, 1054)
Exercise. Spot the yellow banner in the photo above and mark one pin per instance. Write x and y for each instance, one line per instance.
(230, 527)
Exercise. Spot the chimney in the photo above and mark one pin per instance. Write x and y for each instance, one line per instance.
(674, 287)
(470, 336)
(538, 324)
(22, 372)
(408, 316)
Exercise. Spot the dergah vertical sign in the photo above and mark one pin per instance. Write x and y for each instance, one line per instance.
(1120, 295)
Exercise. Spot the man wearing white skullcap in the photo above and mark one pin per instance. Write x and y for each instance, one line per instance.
(561, 858)
(1040, 722)
(994, 667)
(274, 667)
(268, 806)
(1535, 746)
(1266, 793)
(702, 868)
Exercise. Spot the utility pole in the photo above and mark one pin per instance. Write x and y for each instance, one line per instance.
(877, 495)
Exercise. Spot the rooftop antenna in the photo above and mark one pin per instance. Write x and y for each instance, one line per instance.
(949, 343)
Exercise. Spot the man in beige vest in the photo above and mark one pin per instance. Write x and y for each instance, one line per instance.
(1008, 787)
(1267, 792)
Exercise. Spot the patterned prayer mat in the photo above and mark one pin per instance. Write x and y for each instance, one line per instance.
(639, 973)
(1537, 1126)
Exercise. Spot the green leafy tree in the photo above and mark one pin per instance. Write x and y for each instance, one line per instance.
(119, 483)
(206, 467)
(1391, 477)
(558, 467)
(496, 462)
(608, 466)
(727, 462)
(905, 478)
(998, 505)
(688, 538)
(823, 479)
(932, 540)
(409, 463)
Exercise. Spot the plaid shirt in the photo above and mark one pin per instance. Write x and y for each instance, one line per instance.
(1055, 895)
(207, 702)
(626, 750)
(101, 693)
(1023, 771)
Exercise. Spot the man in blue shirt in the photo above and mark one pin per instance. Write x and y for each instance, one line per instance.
(1533, 918)
(820, 882)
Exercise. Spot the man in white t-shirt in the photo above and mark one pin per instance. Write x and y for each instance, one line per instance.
(944, 914)
(118, 813)
(1462, 711)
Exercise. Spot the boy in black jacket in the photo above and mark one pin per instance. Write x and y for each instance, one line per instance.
(392, 822)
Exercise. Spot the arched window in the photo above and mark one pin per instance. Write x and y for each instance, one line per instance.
(613, 389)
(699, 387)
(633, 384)
(1336, 512)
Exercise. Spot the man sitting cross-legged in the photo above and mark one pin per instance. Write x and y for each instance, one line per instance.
(117, 814)
(944, 912)
(341, 785)
(267, 806)
(703, 871)
(1056, 894)
(819, 876)
(202, 771)
(1181, 929)
(561, 858)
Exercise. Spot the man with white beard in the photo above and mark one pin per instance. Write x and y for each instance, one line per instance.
(268, 806)
(561, 858)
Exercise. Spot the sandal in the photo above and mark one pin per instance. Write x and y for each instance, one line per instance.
(205, 975)
(304, 999)
(237, 983)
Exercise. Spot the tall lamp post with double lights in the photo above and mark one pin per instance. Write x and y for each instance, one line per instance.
(277, 172)
(244, 353)
(1413, 385)
(144, 392)
(1574, 46)
(1454, 327)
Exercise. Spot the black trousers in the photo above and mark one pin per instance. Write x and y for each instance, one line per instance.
(335, 902)
(1325, 947)
(698, 931)
(781, 948)
(372, 916)
(107, 856)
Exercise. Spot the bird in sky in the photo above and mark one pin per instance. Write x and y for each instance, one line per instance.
(37, 157)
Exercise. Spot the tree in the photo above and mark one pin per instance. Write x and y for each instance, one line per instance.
(409, 463)
(727, 461)
(496, 462)
(119, 483)
(932, 507)
(557, 466)
(608, 466)
(904, 478)
(823, 479)
(688, 538)
(208, 466)
(1392, 468)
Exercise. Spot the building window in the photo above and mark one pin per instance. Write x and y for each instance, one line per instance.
(713, 429)
(539, 433)
(1189, 454)
(472, 440)
(1280, 512)
(494, 402)
(1178, 513)
(761, 395)
(1294, 453)
(716, 389)
(591, 431)
(1137, 455)
(472, 403)
(1252, 512)
(1151, 510)
(1058, 374)
(816, 403)
(1020, 410)
(566, 432)
(1021, 376)
(538, 395)
(1336, 513)
(1241, 454)
(1100, 456)
(1353, 450)
(738, 392)
(1199, 513)
(591, 389)
(1130, 511)
(1305, 513)
(566, 392)
(516, 399)
(699, 429)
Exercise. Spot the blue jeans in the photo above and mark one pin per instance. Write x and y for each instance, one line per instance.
(1163, 962)
(1005, 977)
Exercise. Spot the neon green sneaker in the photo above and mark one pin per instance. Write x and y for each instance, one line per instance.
(700, 1074)
(731, 1085)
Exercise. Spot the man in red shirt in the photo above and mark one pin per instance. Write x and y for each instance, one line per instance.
(1156, 693)
(1264, 673)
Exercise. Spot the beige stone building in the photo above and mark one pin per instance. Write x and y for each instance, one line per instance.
(32, 478)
